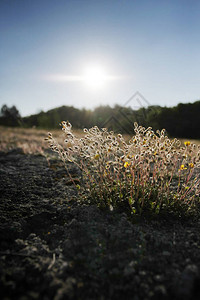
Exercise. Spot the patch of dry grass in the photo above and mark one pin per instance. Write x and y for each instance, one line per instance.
(30, 140)
(150, 172)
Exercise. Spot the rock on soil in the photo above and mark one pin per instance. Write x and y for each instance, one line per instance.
(53, 247)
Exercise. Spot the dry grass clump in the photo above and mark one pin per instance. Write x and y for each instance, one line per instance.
(149, 173)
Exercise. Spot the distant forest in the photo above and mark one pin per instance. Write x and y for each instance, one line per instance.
(181, 121)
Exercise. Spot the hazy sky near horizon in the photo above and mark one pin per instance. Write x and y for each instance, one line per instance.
(47, 47)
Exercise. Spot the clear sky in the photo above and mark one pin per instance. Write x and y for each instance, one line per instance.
(90, 52)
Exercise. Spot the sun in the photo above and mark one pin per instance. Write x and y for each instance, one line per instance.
(95, 77)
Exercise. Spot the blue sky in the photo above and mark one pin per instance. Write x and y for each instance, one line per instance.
(146, 46)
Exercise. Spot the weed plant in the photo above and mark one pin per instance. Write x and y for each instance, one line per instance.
(149, 174)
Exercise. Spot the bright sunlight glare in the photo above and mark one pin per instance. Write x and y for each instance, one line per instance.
(95, 77)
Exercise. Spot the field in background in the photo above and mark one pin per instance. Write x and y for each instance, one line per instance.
(31, 140)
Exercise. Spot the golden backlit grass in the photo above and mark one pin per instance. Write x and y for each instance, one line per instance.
(149, 173)
(30, 140)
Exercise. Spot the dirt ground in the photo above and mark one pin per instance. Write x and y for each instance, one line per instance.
(54, 247)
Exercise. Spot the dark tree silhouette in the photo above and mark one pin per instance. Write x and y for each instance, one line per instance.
(179, 121)
(10, 116)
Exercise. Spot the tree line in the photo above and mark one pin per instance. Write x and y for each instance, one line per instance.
(179, 121)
